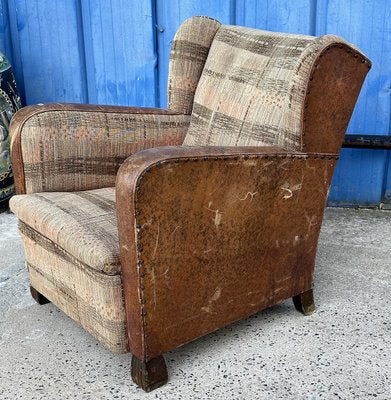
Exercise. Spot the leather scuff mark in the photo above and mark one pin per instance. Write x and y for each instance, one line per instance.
(218, 216)
(216, 295)
(249, 195)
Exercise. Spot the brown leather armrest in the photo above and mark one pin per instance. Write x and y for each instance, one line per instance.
(209, 235)
(82, 145)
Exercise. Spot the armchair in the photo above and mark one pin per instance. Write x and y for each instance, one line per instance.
(218, 201)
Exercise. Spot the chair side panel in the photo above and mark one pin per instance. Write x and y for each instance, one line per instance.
(335, 83)
(220, 238)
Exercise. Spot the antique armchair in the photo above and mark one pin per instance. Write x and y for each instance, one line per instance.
(151, 227)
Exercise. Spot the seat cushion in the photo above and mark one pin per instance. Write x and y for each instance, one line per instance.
(81, 226)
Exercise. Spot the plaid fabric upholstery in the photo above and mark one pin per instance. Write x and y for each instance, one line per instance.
(189, 50)
(78, 226)
(70, 150)
(72, 254)
(252, 88)
(92, 299)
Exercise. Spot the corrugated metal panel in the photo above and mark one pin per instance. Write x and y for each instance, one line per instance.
(49, 52)
(359, 178)
(117, 51)
(171, 14)
(277, 15)
(120, 52)
(9, 43)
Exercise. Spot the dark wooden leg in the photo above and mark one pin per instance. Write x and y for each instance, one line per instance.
(304, 302)
(38, 297)
(149, 375)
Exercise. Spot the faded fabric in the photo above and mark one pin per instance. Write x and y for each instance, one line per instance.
(79, 150)
(252, 88)
(92, 299)
(189, 51)
(81, 225)
(72, 254)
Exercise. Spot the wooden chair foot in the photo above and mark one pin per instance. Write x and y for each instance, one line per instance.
(38, 297)
(149, 375)
(304, 302)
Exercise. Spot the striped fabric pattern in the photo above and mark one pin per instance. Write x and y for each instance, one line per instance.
(72, 254)
(80, 227)
(92, 299)
(189, 50)
(252, 88)
(71, 150)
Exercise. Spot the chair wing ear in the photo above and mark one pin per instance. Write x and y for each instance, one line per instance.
(334, 84)
(189, 50)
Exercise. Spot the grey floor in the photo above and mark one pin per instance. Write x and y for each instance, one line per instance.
(343, 351)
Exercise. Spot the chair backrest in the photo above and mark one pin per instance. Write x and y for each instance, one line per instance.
(189, 50)
(248, 87)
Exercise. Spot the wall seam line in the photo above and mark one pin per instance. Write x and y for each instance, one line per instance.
(15, 51)
(156, 66)
(82, 51)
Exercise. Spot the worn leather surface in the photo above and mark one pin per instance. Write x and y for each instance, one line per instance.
(209, 235)
(26, 113)
(332, 90)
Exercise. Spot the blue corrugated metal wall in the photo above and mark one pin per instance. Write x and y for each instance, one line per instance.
(116, 52)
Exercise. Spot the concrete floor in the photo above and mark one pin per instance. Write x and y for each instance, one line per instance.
(343, 351)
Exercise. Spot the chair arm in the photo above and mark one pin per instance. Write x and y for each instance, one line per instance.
(67, 147)
(209, 235)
